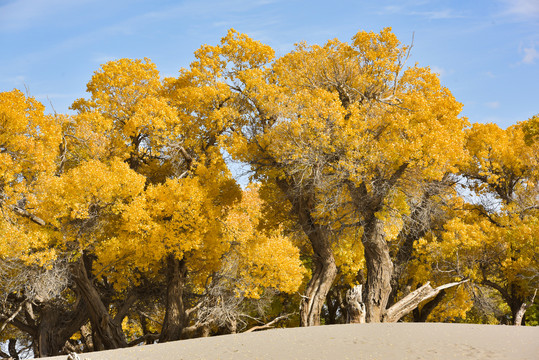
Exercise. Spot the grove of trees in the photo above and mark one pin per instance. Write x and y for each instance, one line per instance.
(370, 200)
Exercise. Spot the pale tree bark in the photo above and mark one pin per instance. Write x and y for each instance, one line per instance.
(512, 295)
(421, 315)
(354, 305)
(10, 318)
(520, 313)
(413, 299)
(269, 325)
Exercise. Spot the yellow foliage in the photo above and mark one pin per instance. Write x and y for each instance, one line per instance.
(264, 258)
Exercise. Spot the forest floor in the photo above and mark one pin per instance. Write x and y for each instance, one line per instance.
(354, 341)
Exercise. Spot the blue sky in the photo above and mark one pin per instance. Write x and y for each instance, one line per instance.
(486, 51)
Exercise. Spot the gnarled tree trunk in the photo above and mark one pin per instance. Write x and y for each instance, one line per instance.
(379, 269)
(175, 311)
(107, 332)
(56, 327)
(324, 273)
(324, 269)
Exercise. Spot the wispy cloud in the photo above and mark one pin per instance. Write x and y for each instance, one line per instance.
(438, 70)
(421, 9)
(492, 104)
(21, 14)
(438, 14)
(530, 55)
(15, 81)
(103, 58)
(521, 8)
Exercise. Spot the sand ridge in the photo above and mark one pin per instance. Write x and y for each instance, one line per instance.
(352, 341)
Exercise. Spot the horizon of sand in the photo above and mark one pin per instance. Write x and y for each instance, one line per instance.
(352, 341)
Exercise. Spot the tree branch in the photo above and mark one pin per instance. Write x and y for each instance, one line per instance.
(268, 325)
(12, 316)
(413, 299)
(28, 215)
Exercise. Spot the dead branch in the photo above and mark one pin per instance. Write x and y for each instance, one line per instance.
(413, 299)
(268, 325)
(520, 313)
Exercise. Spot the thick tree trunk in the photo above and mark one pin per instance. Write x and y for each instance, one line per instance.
(107, 332)
(324, 273)
(46, 333)
(56, 326)
(175, 311)
(324, 269)
(379, 269)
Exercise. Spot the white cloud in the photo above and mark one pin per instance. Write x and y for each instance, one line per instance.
(17, 80)
(492, 104)
(530, 54)
(391, 9)
(522, 8)
(102, 58)
(420, 8)
(21, 14)
(438, 70)
(438, 14)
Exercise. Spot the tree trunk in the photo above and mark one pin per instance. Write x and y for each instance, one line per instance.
(336, 310)
(324, 269)
(12, 348)
(86, 338)
(324, 273)
(519, 315)
(107, 332)
(355, 307)
(175, 311)
(56, 326)
(46, 332)
(379, 269)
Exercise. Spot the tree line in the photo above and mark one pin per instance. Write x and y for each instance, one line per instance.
(370, 200)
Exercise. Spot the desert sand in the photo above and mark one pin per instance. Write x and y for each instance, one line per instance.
(354, 341)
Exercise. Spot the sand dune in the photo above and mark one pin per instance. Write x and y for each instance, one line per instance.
(354, 341)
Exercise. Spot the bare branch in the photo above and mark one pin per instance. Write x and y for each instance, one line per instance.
(268, 325)
(413, 299)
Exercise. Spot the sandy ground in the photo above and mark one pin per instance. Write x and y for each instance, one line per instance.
(354, 341)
